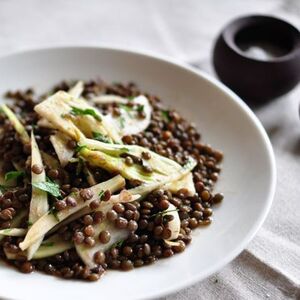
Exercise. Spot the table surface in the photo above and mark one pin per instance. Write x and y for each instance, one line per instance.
(185, 30)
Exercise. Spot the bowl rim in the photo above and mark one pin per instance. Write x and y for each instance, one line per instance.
(229, 31)
(237, 101)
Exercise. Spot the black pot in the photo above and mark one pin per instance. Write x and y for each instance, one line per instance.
(258, 79)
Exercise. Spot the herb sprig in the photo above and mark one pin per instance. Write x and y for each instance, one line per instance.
(163, 213)
(101, 194)
(165, 115)
(100, 137)
(76, 111)
(117, 244)
(49, 186)
(13, 175)
(47, 244)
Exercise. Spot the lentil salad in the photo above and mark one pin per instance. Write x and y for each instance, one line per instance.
(97, 177)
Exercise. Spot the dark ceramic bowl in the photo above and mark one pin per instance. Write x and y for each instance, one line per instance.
(258, 57)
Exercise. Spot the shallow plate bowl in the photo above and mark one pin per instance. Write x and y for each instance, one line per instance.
(225, 122)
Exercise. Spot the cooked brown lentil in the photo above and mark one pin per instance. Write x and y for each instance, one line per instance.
(169, 135)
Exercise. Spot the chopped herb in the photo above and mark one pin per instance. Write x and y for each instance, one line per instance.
(78, 148)
(127, 108)
(163, 213)
(117, 244)
(13, 175)
(189, 164)
(130, 98)
(49, 186)
(101, 194)
(140, 108)
(165, 115)
(3, 188)
(124, 149)
(54, 212)
(88, 111)
(122, 121)
(48, 244)
(100, 137)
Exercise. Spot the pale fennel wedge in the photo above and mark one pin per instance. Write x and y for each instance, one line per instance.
(39, 199)
(87, 253)
(20, 129)
(49, 247)
(13, 232)
(77, 89)
(111, 157)
(16, 221)
(75, 117)
(50, 219)
(60, 144)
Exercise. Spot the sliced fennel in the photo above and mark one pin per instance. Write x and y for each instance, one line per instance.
(52, 246)
(173, 225)
(49, 160)
(107, 99)
(114, 164)
(129, 122)
(186, 182)
(39, 199)
(20, 129)
(76, 90)
(49, 220)
(13, 232)
(16, 221)
(144, 189)
(109, 157)
(64, 153)
(44, 123)
(87, 253)
(89, 175)
(52, 110)
(58, 108)
(174, 177)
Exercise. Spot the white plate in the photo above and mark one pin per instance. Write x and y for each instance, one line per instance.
(247, 179)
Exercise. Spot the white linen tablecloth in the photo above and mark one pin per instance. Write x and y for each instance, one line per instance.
(270, 266)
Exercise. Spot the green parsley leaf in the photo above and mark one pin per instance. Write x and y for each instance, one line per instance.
(140, 108)
(100, 137)
(122, 121)
(163, 213)
(117, 244)
(101, 194)
(13, 175)
(48, 244)
(130, 98)
(80, 147)
(3, 189)
(127, 108)
(165, 115)
(50, 187)
(88, 111)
